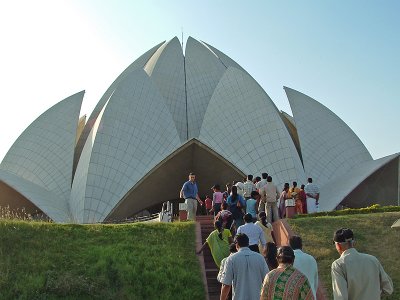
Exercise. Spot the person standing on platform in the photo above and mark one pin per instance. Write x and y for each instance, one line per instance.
(294, 192)
(259, 186)
(271, 197)
(208, 204)
(282, 201)
(218, 198)
(312, 193)
(252, 204)
(356, 275)
(303, 198)
(248, 187)
(190, 192)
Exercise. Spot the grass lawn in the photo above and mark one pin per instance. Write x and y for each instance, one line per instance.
(133, 261)
(373, 236)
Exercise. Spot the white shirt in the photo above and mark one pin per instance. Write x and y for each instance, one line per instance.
(261, 183)
(307, 265)
(240, 187)
(254, 233)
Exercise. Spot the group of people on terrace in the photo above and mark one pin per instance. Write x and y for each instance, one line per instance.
(253, 195)
(251, 266)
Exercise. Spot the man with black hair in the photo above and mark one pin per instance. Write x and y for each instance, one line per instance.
(286, 282)
(357, 275)
(305, 263)
(271, 194)
(189, 192)
(248, 187)
(244, 270)
(312, 193)
(259, 185)
(263, 181)
(254, 233)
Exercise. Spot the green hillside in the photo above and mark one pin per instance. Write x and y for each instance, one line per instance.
(135, 261)
(372, 233)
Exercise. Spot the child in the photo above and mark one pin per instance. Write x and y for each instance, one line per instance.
(208, 204)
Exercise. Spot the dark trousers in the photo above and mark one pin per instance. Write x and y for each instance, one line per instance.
(217, 208)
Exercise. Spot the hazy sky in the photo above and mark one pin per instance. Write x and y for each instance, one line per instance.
(344, 54)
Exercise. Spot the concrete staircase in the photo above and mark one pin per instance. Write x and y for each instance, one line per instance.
(282, 233)
(211, 270)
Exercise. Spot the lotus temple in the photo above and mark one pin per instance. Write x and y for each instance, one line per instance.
(169, 114)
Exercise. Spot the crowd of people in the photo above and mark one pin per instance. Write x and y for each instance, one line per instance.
(251, 266)
(253, 195)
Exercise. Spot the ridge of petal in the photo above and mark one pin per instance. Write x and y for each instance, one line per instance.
(43, 153)
(169, 76)
(254, 141)
(329, 147)
(137, 64)
(203, 72)
(331, 196)
(136, 132)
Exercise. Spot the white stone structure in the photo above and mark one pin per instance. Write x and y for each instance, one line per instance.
(168, 114)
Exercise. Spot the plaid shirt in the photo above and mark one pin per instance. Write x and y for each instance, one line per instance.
(248, 188)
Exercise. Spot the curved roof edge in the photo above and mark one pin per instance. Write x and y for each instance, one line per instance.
(137, 190)
(43, 153)
(137, 64)
(151, 63)
(257, 149)
(52, 205)
(331, 196)
(329, 147)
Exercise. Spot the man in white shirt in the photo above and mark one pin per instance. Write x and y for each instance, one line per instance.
(312, 193)
(254, 233)
(262, 182)
(305, 263)
(240, 187)
(259, 185)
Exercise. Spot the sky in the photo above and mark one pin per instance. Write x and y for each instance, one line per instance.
(344, 54)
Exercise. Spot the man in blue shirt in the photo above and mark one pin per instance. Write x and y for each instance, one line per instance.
(252, 204)
(189, 192)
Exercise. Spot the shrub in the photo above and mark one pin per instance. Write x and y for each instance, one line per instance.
(376, 208)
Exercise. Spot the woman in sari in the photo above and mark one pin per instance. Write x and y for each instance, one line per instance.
(286, 282)
(218, 241)
(282, 199)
